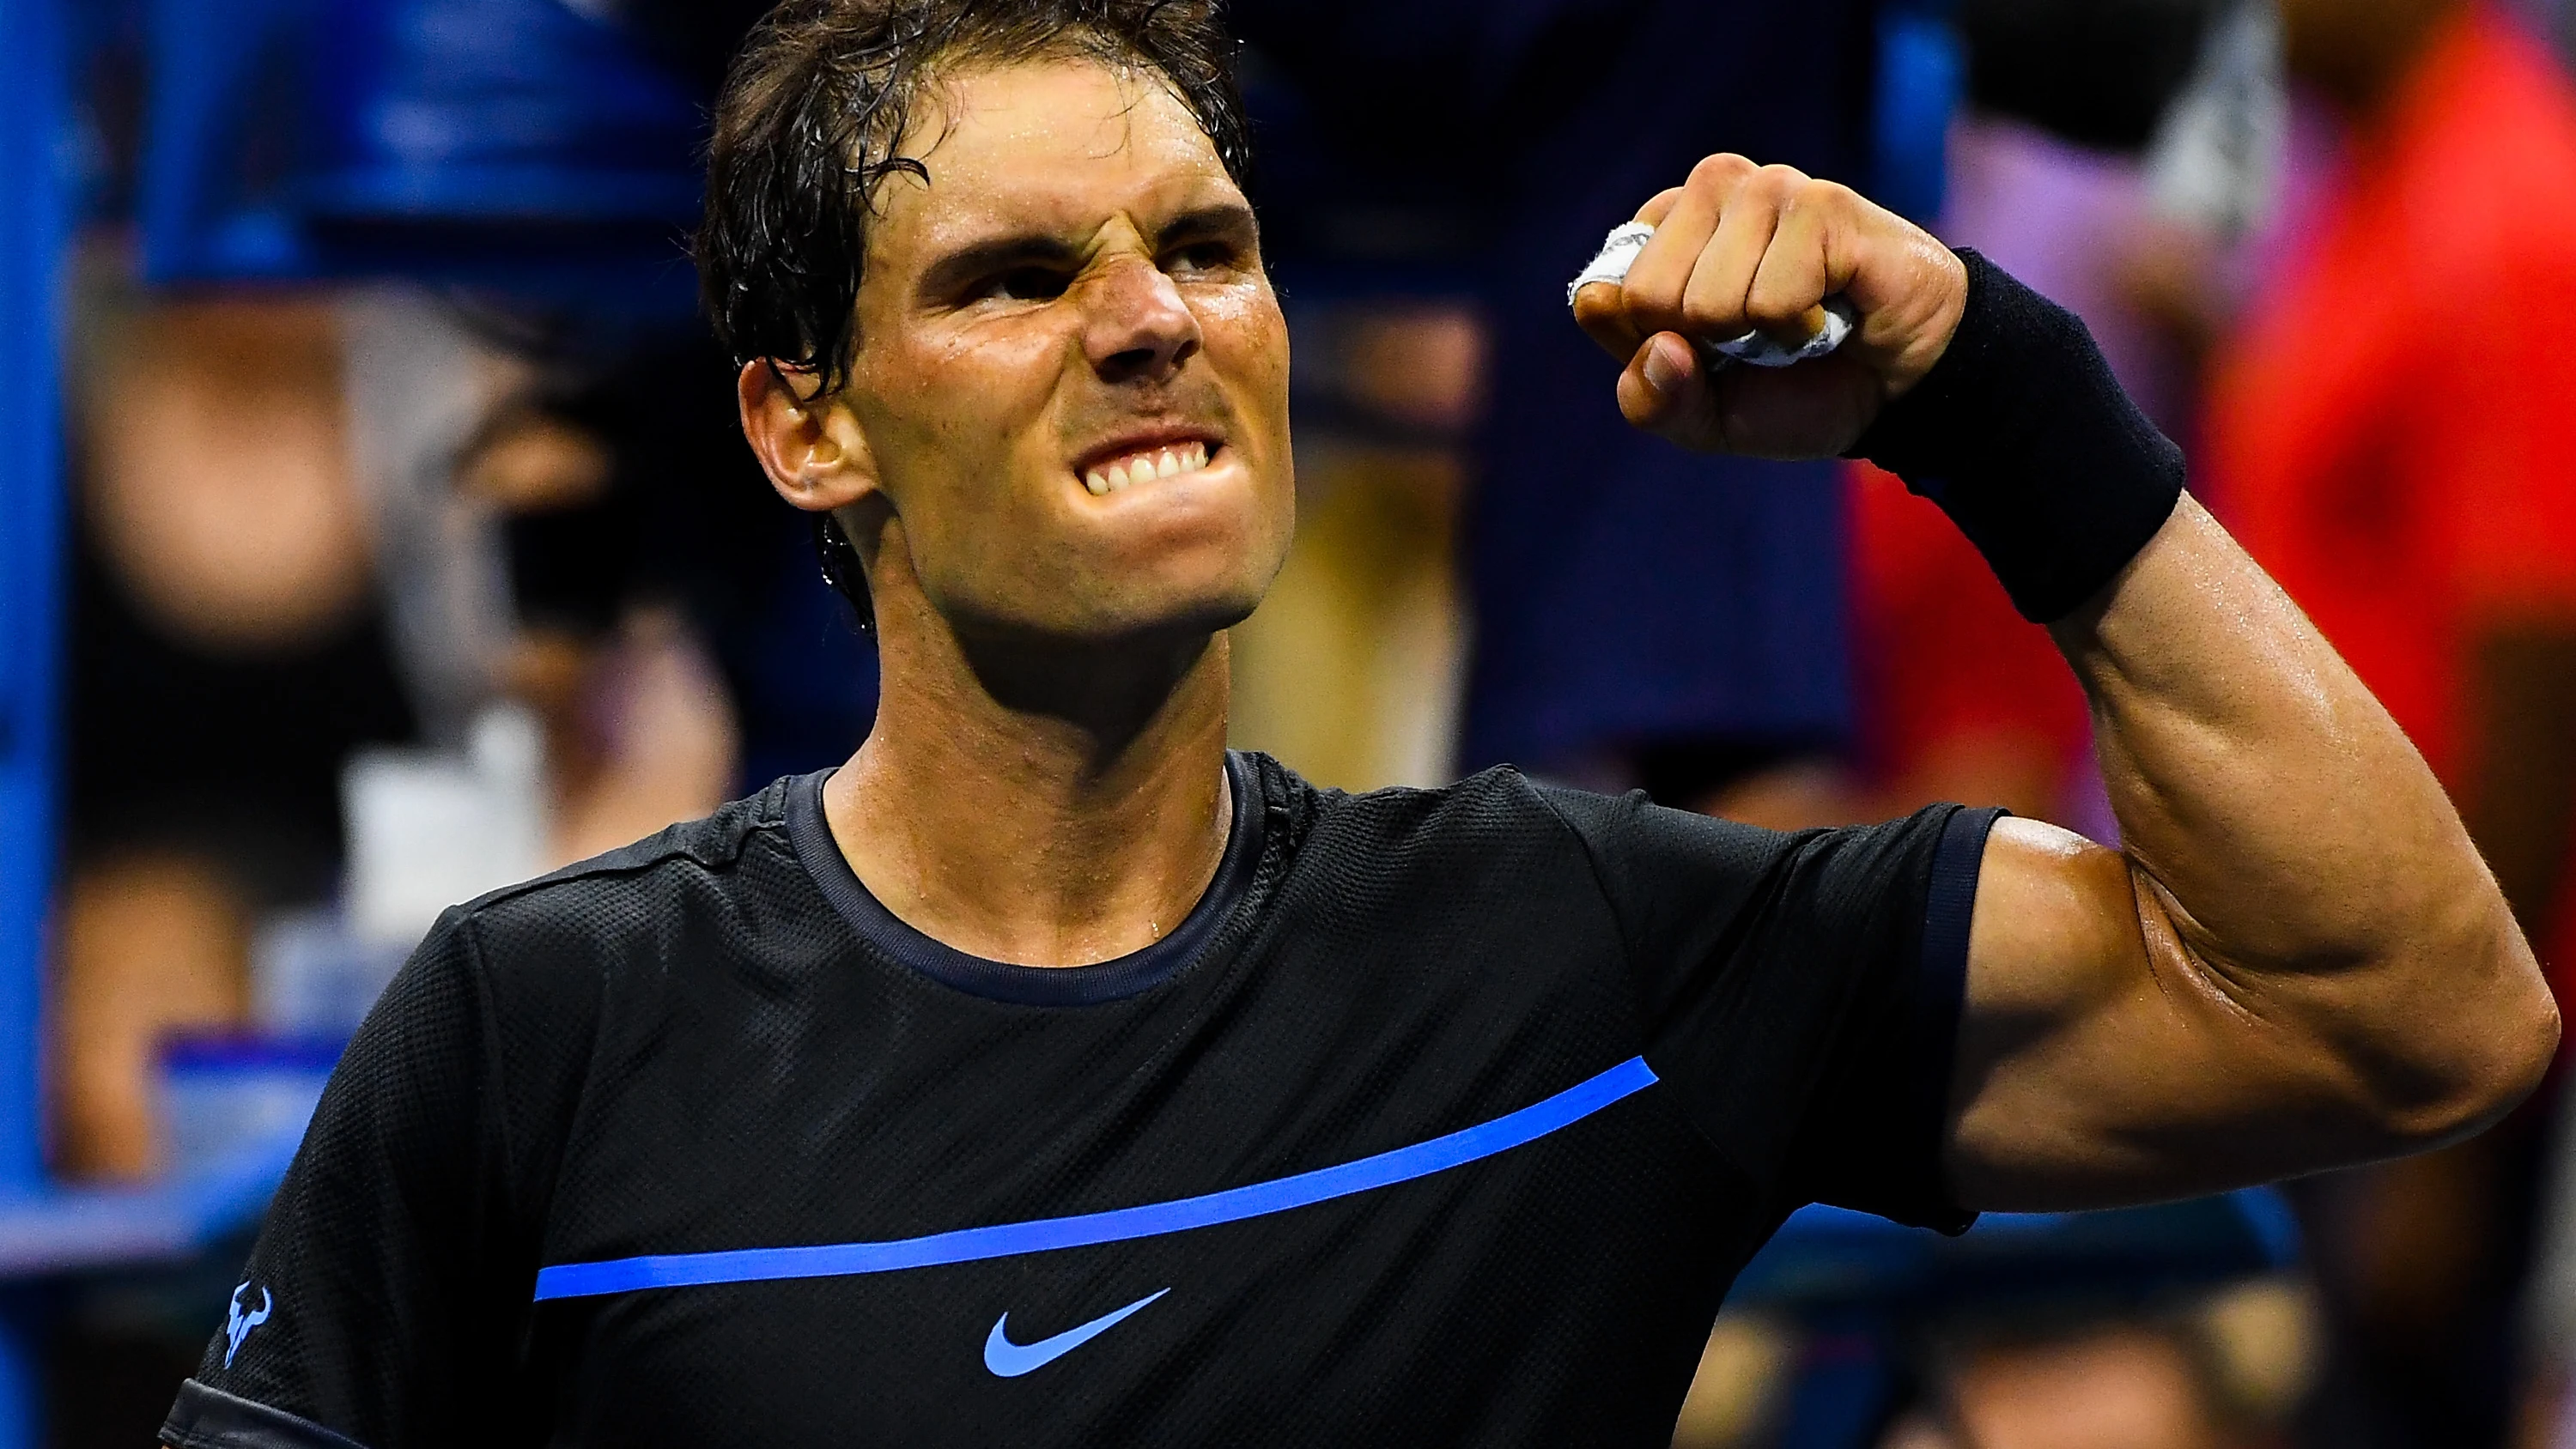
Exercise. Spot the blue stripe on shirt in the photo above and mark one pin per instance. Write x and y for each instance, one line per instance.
(966, 1245)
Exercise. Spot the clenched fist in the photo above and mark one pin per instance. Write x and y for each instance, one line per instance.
(1741, 246)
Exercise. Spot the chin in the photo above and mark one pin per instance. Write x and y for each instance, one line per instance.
(1202, 581)
(1171, 614)
(1170, 575)
(1135, 611)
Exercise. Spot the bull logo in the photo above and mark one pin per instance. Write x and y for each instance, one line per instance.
(237, 1324)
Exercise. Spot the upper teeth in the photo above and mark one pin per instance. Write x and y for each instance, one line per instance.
(1140, 467)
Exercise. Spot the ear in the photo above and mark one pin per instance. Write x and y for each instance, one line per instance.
(806, 440)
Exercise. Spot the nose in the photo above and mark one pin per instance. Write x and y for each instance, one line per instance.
(1136, 328)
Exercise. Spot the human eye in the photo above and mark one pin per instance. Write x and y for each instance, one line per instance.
(1212, 257)
(1023, 284)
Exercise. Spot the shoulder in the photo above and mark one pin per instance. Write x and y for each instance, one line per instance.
(618, 907)
(1494, 807)
(525, 979)
(1502, 828)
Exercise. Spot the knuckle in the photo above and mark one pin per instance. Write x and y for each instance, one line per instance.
(1822, 198)
(1646, 296)
(1709, 314)
(1660, 205)
(1721, 171)
(1774, 306)
(1778, 183)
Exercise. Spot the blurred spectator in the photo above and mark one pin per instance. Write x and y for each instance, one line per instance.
(1750, 1358)
(2107, 1384)
(1349, 669)
(582, 532)
(638, 729)
(672, 628)
(662, 613)
(2218, 1370)
(1639, 616)
(2389, 437)
(392, 431)
(2104, 1386)
(2049, 175)
(1645, 617)
(1960, 697)
(2075, 1356)
(226, 653)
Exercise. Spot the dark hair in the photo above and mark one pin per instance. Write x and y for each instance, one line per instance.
(807, 126)
(820, 97)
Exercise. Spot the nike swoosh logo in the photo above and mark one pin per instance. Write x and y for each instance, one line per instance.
(1010, 1360)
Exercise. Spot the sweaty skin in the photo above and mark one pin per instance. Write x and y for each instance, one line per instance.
(1078, 280)
(2297, 960)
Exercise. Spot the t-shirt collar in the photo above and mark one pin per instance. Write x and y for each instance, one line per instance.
(1105, 981)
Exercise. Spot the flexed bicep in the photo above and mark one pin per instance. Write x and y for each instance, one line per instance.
(2295, 962)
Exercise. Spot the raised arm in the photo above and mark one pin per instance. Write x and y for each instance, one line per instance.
(2296, 960)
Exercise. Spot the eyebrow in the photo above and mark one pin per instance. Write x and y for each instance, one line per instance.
(996, 255)
(1213, 220)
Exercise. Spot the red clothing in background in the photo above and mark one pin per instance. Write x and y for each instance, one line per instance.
(1939, 653)
(2394, 436)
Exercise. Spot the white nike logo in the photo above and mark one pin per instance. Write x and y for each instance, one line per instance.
(1010, 1360)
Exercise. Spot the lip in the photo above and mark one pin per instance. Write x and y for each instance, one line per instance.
(1144, 440)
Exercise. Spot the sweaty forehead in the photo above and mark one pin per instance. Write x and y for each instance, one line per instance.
(1063, 145)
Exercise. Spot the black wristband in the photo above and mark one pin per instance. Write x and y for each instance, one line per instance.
(2024, 438)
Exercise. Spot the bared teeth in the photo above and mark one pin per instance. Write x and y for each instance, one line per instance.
(1146, 467)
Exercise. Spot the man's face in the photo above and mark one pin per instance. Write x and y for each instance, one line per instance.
(1072, 373)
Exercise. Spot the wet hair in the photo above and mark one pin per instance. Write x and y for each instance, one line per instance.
(821, 96)
(810, 121)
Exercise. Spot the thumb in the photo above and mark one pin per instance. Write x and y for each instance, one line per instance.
(1665, 392)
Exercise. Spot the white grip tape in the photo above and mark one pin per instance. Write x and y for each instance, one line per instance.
(1619, 253)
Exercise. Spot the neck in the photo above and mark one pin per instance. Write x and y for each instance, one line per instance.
(1041, 804)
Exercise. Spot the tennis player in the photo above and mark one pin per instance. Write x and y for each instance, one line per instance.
(1047, 1074)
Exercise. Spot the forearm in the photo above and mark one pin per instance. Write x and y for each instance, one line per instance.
(2297, 959)
(2310, 867)
(2255, 780)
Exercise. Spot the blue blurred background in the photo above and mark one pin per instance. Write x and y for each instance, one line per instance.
(374, 529)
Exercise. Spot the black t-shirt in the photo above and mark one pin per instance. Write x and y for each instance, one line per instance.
(1445, 1118)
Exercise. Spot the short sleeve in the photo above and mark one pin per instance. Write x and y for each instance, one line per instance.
(1801, 992)
(386, 1302)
